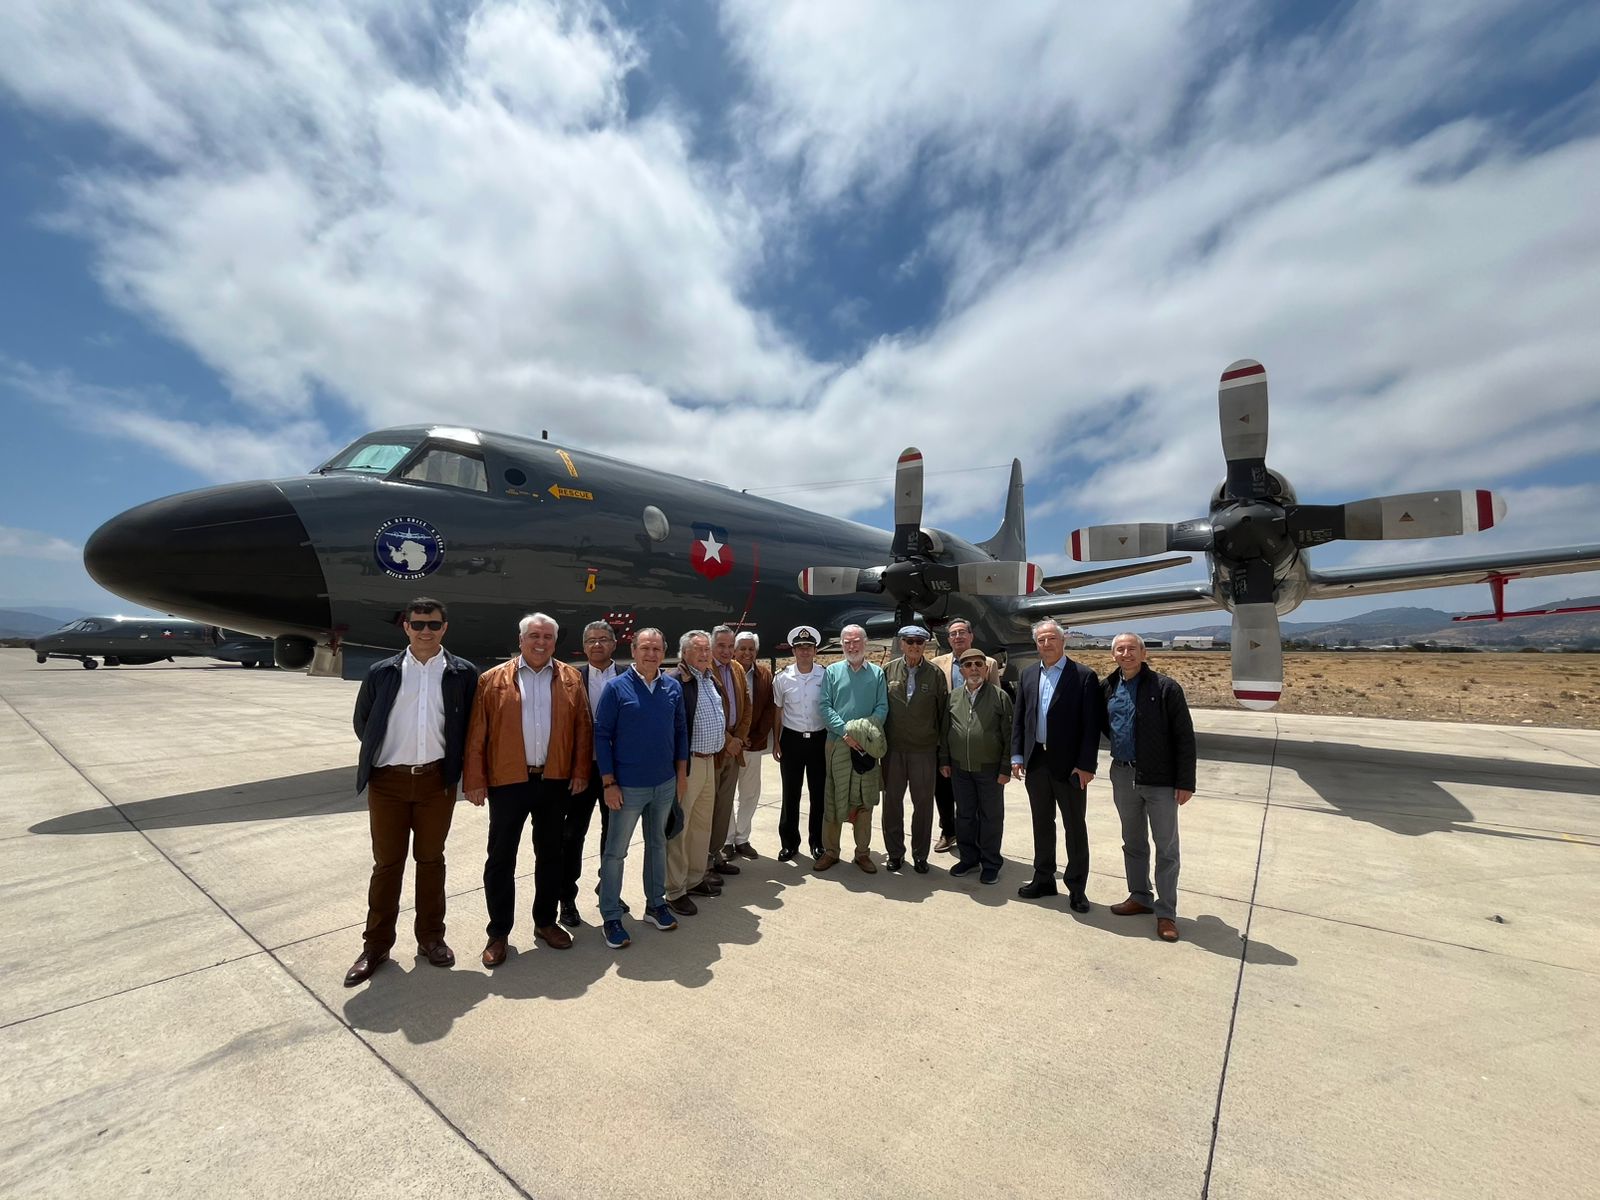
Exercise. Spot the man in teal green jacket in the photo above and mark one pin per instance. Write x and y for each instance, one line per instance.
(850, 689)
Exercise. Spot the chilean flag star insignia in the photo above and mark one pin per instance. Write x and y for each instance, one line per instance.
(710, 553)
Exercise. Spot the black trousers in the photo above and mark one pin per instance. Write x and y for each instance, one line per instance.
(575, 832)
(541, 803)
(944, 799)
(1046, 794)
(804, 759)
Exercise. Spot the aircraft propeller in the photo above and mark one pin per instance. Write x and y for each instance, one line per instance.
(1256, 527)
(914, 576)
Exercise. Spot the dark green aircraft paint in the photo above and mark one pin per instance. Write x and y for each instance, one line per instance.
(137, 641)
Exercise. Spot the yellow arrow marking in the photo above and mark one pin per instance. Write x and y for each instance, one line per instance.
(561, 493)
(567, 458)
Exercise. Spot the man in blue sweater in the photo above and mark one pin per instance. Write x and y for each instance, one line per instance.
(641, 741)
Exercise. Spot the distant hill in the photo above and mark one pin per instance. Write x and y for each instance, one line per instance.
(20, 623)
(1404, 625)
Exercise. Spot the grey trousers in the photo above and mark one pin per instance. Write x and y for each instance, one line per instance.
(722, 809)
(1140, 805)
(917, 771)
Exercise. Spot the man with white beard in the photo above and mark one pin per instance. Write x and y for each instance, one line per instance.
(850, 689)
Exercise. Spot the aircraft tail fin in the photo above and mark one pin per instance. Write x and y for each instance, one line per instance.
(1010, 542)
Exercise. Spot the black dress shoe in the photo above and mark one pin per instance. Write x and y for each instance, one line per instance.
(963, 868)
(1035, 888)
(723, 867)
(787, 854)
(1079, 904)
(569, 916)
(817, 851)
(361, 970)
(892, 863)
(437, 953)
(920, 866)
(703, 889)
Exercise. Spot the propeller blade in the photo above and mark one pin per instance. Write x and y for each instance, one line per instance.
(1421, 515)
(1314, 524)
(1105, 543)
(838, 581)
(1252, 582)
(1257, 656)
(997, 578)
(1242, 411)
(907, 503)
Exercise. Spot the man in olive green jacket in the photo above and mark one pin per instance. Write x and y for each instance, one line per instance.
(919, 708)
(977, 745)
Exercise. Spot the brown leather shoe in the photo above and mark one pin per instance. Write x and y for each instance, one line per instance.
(724, 867)
(1130, 908)
(361, 970)
(1167, 929)
(554, 936)
(439, 954)
(495, 952)
(825, 860)
(945, 845)
(864, 861)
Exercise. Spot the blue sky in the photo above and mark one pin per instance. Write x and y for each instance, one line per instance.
(786, 239)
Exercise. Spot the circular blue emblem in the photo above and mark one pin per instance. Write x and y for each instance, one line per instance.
(408, 548)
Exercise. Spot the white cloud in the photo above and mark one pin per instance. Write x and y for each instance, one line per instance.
(29, 543)
(426, 219)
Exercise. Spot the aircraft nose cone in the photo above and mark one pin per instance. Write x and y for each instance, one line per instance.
(236, 555)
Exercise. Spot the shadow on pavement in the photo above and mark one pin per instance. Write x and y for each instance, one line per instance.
(330, 791)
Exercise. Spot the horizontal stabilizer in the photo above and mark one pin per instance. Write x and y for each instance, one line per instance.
(1061, 584)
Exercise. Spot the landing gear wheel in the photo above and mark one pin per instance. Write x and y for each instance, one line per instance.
(89, 664)
(42, 658)
(113, 661)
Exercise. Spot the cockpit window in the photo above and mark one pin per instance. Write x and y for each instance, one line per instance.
(377, 458)
(449, 467)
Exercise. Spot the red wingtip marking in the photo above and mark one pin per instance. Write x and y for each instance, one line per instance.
(1258, 369)
(1485, 509)
(1257, 695)
(805, 581)
(1033, 577)
(1077, 546)
(914, 456)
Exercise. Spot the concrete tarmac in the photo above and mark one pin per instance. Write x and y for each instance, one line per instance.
(1387, 985)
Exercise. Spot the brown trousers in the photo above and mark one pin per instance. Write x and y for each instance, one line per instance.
(407, 812)
(831, 831)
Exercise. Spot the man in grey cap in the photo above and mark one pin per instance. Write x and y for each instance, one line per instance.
(919, 705)
(800, 747)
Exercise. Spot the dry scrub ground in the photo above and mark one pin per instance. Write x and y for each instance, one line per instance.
(1498, 689)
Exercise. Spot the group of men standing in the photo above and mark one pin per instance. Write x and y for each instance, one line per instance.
(543, 744)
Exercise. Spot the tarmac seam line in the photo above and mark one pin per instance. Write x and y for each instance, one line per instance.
(1238, 985)
(318, 1000)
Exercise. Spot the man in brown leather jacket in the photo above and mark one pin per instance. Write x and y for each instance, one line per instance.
(530, 748)
(763, 715)
(736, 715)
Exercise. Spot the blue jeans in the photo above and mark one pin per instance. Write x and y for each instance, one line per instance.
(653, 804)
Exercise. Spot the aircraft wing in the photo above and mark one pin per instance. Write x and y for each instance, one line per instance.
(1448, 572)
(1112, 606)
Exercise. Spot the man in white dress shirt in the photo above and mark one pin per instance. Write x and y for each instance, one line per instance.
(411, 716)
(800, 748)
(598, 669)
(530, 748)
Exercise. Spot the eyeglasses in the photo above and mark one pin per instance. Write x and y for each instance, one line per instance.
(419, 626)
(975, 665)
(915, 641)
(601, 641)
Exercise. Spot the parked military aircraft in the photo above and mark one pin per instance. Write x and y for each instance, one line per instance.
(496, 526)
(135, 641)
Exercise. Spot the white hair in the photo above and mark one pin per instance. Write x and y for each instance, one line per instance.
(747, 636)
(858, 628)
(1038, 625)
(1129, 634)
(683, 642)
(532, 619)
(649, 630)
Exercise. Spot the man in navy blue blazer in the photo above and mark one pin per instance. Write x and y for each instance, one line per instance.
(1055, 750)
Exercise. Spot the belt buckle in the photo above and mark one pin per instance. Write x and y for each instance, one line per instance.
(418, 768)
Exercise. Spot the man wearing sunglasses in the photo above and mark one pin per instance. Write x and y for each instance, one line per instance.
(411, 716)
